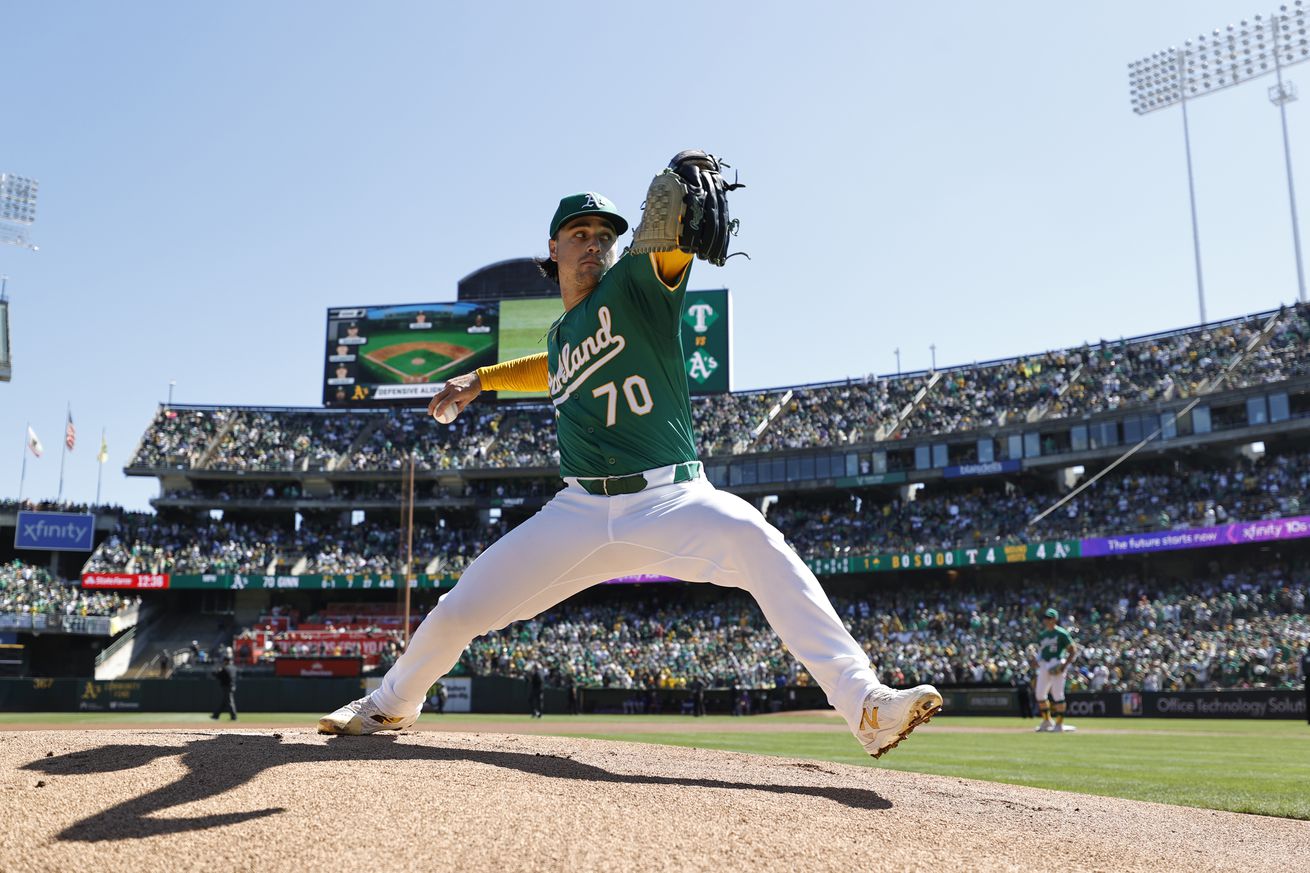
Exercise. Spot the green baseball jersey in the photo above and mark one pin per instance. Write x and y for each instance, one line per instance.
(1051, 644)
(617, 375)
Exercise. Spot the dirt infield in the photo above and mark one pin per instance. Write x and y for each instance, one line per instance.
(386, 354)
(260, 799)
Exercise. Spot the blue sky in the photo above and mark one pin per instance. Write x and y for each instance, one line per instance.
(214, 176)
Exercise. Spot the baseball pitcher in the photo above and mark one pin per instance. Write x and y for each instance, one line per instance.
(636, 500)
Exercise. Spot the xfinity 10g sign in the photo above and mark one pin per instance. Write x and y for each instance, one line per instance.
(55, 531)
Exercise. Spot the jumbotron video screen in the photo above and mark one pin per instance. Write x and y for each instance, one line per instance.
(401, 355)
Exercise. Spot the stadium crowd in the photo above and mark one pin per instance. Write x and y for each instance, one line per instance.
(1283, 356)
(31, 590)
(874, 521)
(266, 440)
(966, 398)
(842, 414)
(1238, 630)
(1091, 378)
(60, 506)
(179, 437)
(148, 544)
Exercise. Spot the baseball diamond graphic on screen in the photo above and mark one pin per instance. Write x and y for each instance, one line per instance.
(417, 346)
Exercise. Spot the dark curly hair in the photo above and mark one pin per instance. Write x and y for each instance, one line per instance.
(548, 268)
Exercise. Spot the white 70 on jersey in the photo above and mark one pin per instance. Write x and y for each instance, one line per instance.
(635, 391)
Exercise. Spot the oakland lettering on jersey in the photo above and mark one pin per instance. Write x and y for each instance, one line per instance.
(572, 361)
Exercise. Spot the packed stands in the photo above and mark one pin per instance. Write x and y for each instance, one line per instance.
(179, 437)
(856, 522)
(1235, 630)
(28, 590)
(884, 522)
(264, 440)
(848, 413)
(1066, 383)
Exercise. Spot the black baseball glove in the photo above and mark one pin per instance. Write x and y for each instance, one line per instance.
(687, 208)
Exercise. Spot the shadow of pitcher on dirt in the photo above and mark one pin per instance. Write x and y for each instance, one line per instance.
(218, 763)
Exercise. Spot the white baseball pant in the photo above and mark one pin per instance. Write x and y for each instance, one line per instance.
(1050, 683)
(689, 531)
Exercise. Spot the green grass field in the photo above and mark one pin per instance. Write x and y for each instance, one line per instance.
(1240, 766)
(523, 325)
(429, 364)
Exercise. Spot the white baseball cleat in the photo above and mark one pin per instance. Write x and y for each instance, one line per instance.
(363, 717)
(1044, 727)
(889, 715)
(1064, 728)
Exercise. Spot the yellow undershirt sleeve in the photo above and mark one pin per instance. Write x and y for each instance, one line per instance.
(530, 373)
(669, 266)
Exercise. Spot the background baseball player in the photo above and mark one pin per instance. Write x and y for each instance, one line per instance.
(1055, 652)
(635, 501)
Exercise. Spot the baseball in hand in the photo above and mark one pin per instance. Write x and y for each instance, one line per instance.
(447, 413)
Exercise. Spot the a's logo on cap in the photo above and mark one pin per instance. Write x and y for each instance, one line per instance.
(593, 201)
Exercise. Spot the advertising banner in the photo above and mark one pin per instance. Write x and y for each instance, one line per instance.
(459, 695)
(109, 696)
(989, 469)
(639, 579)
(318, 668)
(1238, 533)
(331, 642)
(1244, 703)
(306, 582)
(871, 479)
(134, 581)
(55, 531)
(933, 559)
(981, 701)
(239, 582)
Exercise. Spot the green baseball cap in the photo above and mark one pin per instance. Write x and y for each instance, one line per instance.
(587, 203)
(1053, 613)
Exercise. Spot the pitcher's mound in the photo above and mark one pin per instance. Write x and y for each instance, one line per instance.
(294, 800)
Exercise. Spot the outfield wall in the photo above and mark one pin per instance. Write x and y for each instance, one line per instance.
(498, 694)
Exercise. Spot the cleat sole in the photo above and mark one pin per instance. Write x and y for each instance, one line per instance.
(921, 718)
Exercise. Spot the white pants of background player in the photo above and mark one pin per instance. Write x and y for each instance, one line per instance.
(688, 530)
(1050, 683)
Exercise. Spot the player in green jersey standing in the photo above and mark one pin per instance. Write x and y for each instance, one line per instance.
(1055, 652)
(636, 501)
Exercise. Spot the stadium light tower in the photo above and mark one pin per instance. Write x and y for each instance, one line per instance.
(1219, 60)
(17, 209)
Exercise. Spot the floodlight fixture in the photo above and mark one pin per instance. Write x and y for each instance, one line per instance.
(1228, 56)
(17, 209)
(18, 198)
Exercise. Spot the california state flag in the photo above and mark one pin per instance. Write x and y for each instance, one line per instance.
(33, 443)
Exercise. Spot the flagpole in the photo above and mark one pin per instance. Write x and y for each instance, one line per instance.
(23, 476)
(100, 464)
(63, 454)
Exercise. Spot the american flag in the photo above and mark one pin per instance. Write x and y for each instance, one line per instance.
(70, 433)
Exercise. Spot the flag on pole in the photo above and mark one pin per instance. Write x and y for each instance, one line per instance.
(33, 443)
(104, 450)
(70, 432)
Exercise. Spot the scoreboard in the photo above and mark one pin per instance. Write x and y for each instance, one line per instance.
(401, 355)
